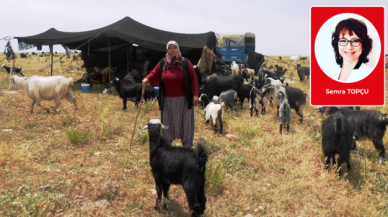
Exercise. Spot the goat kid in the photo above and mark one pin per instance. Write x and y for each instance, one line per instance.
(213, 111)
(284, 112)
(243, 93)
(256, 100)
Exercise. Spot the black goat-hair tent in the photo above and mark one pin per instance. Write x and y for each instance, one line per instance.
(121, 36)
(121, 32)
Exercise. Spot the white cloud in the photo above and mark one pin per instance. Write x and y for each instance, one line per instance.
(281, 27)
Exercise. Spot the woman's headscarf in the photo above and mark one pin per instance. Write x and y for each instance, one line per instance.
(172, 61)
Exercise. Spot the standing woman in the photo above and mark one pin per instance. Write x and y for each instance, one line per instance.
(352, 46)
(178, 93)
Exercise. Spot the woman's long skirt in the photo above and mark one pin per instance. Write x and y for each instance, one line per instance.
(179, 119)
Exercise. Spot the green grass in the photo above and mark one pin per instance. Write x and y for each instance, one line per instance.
(68, 121)
(215, 177)
(254, 170)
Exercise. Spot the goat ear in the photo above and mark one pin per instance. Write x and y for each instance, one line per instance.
(164, 127)
(143, 128)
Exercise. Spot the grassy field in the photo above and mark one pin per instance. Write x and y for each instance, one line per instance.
(79, 163)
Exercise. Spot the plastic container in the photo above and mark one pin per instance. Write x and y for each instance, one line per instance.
(156, 91)
(85, 87)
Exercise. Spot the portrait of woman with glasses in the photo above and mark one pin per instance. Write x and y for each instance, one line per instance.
(352, 46)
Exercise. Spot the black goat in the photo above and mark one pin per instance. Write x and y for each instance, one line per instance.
(128, 91)
(280, 70)
(243, 93)
(274, 75)
(23, 55)
(337, 139)
(296, 99)
(367, 124)
(14, 70)
(18, 70)
(223, 70)
(259, 83)
(303, 58)
(332, 109)
(149, 93)
(214, 85)
(177, 165)
(302, 72)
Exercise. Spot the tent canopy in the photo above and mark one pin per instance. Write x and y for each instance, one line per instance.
(121, 32)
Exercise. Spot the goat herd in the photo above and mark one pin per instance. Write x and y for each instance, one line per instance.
(178, 165)
(340, 131)
(266, 87)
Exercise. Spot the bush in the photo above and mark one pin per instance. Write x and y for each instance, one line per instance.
(78, 137)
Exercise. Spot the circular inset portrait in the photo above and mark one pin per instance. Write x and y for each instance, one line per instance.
(347, 47)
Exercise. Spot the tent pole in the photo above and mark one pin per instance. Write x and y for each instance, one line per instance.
(127, 57)
(11, 71)
(110, 66)
(52, 54)
(143, 61)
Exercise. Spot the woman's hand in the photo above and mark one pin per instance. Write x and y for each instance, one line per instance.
(144, 82)
(195, 100)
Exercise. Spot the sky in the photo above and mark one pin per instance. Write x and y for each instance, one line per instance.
(281, 27)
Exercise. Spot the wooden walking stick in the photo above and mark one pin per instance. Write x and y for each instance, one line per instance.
(137, 115)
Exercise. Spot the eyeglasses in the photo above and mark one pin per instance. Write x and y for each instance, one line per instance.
(353, 42)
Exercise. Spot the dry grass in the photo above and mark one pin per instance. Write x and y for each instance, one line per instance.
(85, 159)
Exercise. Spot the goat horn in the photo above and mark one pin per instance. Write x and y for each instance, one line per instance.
(143, 128)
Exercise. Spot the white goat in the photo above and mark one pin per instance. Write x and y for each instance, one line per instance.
(235, 68)
(40, 88)
(293, 58)
(213, 111)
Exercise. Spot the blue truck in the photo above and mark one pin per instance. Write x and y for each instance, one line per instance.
(235, 47)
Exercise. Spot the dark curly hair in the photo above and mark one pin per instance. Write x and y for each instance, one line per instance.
(352, 26)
